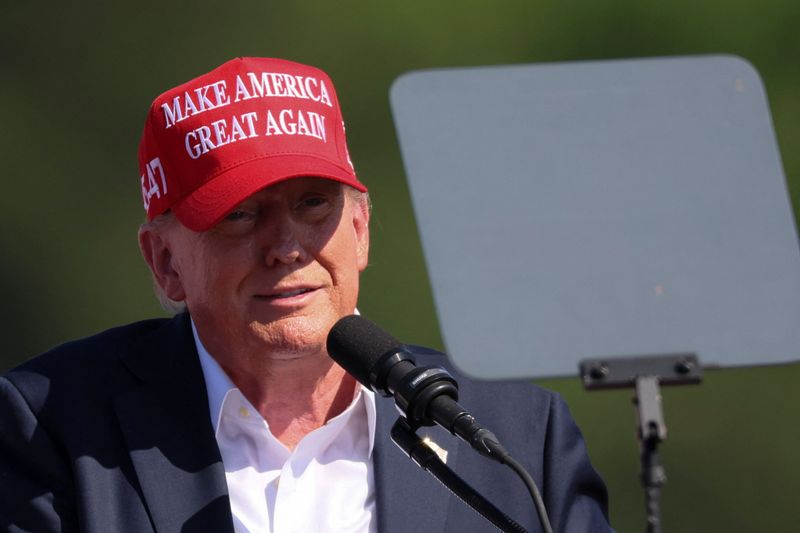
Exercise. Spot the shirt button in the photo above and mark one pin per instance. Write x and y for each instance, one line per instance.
(244, 412)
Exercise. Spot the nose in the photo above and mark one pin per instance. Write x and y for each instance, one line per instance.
(280, 242)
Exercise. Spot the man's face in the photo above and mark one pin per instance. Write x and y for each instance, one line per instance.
(276, 273)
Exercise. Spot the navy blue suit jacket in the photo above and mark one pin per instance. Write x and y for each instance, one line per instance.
(113, 434)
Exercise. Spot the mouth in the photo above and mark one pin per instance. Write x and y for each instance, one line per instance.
(289, 294)
(286, 294)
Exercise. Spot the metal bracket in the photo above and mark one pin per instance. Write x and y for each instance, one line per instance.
(622, 372)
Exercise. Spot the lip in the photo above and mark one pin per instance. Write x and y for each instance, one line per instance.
(293, 295)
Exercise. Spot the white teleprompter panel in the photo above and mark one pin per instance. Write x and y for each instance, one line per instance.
(601, 209)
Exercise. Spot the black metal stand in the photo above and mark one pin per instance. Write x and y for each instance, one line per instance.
(646, 374)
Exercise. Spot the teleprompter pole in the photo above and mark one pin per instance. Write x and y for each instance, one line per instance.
(652, 431)
(646, 374)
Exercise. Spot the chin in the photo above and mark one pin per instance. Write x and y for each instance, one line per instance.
(292, 338)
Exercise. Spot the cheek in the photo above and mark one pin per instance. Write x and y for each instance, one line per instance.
(346, 269)
(209, 275)
(341, 253)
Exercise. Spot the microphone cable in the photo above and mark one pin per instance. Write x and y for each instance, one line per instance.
(530, 484)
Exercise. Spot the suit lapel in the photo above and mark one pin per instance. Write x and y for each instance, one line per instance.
(407, 497)
(167, 428)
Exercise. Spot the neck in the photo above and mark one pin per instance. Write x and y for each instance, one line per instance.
(295, 396)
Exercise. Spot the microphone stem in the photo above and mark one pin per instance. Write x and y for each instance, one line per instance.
(446, 412)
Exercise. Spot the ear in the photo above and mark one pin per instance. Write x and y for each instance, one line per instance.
(155, 248)
(361, 226)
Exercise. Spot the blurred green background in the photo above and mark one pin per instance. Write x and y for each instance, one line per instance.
(76, 81)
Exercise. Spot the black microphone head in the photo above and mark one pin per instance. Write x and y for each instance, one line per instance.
(357, 344)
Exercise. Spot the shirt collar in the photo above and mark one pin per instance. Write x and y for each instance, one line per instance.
(217, 381)
(218, 384)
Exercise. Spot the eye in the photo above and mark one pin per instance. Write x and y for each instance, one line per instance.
(237, 214)
(241, 214)
(312, 201)
(237, 222)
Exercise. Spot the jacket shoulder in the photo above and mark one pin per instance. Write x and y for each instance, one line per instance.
(91, 349)
(86, 370)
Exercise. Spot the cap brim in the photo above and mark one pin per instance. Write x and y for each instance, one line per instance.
(208, 204)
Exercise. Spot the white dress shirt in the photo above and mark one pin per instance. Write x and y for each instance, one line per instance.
(325, 484)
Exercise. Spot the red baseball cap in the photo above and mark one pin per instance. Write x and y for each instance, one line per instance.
(215, 140)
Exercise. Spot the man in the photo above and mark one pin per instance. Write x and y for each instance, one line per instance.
(231, 416)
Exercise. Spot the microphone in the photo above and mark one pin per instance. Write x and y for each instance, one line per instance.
(423, 395)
